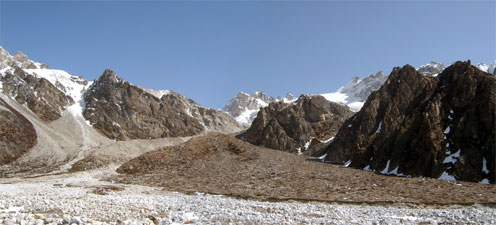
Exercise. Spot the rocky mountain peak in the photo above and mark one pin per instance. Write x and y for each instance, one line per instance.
(262, 96)
(289, 96)
(19, 60)
(108, 76)
(418, 125)
(122, 111)
(292, 126)
(21, 57)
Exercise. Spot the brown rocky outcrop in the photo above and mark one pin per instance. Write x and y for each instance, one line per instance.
(417, 125)
(17, 134)
(210, 119)
(289, 126)
(122, 111)
(41, 96)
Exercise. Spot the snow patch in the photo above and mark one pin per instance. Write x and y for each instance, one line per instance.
(446, 176)
(355, 106)
(347, 163)
(247, 116)
(485, 181)
(452, 158)
(307, 144)
(157, 93)
(367, 168)
(322, 158)
(73, 86)
(261, 103)
(484, 166)
(336, 97)
(379, 128)
(385, 170)
(328, 140)
(299, 151)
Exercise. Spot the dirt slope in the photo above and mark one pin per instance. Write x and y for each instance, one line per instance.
(221, 164)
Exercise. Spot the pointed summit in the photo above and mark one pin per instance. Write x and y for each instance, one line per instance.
(109, 76)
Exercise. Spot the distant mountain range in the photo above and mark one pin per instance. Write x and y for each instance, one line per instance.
(432, 121)
(244, 107)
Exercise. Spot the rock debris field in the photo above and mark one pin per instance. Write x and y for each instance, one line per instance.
(82, 198)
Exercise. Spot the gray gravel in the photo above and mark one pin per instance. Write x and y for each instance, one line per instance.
(81, 198)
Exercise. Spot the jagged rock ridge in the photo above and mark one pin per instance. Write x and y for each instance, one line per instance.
(417, 125)
(292, 126)
(19, 60)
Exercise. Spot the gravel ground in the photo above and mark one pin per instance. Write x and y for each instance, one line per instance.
(81, 198)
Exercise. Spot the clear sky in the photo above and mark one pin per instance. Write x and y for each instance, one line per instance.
(210, 50)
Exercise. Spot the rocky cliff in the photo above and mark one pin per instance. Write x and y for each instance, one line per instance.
(292, 126)
(122, 111)
(417, 125)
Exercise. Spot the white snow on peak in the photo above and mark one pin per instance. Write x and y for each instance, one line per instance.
(432, 68)
(336, 97)
(355, 93)
(73, 86)
(487, 68)
(261, 103)
(482, 67)
(244, 107)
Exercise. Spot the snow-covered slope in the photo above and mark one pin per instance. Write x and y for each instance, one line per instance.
(491, 68)
(72, 86)
(357, 90)
(244, 107)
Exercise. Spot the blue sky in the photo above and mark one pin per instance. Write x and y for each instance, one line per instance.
(210, 50)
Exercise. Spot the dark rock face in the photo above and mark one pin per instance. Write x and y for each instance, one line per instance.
(17, 134)
(123, 111)
(424, 126)
(41, 96)
(289, 126)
